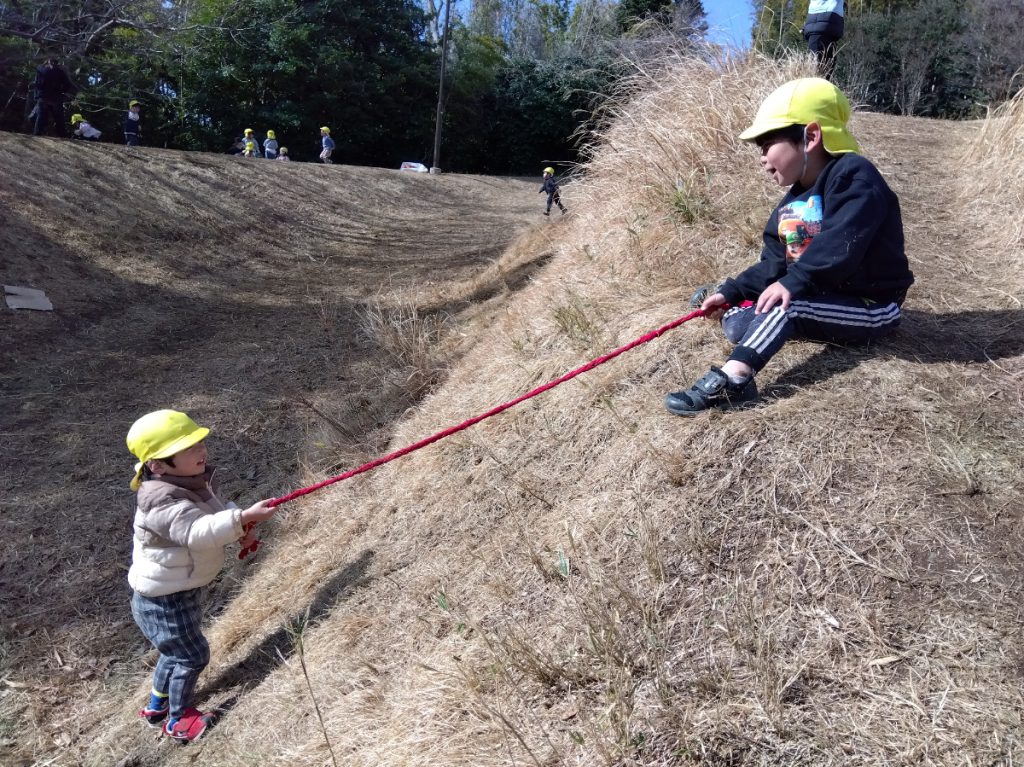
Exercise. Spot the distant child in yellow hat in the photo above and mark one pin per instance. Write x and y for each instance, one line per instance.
(80, 128)
(133, 124)
(326, 145)
(283, 155)
(270, 145)
(832, 269)
(181, 528)
(250, 146)
(550, 186)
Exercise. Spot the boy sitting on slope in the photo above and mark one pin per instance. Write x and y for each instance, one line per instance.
(181, 528)
(832, 267)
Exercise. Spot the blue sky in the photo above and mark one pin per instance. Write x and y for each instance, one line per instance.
(729, 21)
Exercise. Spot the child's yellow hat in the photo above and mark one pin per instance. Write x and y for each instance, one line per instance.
(133, 103)
(803, 101)
(247, 131)
(325, 129)
(161, 434)
(75, 119)
(271, 134)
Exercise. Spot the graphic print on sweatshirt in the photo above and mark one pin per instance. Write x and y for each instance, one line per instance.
(798, 223)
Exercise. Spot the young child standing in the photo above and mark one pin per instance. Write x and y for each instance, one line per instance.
(327, 145)
(283, 155)
(181, 528)
(81, 129)
(270, 145)
(133, 124)
(551, 187)
(250, 147)
(832, 269)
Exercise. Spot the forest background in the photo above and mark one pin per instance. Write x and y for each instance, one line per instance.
(523, 77)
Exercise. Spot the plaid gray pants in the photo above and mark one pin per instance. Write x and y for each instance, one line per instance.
(173, 624)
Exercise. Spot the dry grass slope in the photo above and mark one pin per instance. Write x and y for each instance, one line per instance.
(831, 578)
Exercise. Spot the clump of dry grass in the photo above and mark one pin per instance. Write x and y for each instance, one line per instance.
(995, 165)
(416, 346)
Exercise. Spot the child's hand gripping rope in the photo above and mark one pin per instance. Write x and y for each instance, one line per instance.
(256, 513)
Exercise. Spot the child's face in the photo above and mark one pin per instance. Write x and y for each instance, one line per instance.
(782, 160)
(135, 109)
(190, 462)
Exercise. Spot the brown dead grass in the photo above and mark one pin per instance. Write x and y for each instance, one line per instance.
(831, 578)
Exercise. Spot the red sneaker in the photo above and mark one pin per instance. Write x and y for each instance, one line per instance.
(190, 727)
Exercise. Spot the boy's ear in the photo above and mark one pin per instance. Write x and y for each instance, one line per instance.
(156, 466)
(812, 136)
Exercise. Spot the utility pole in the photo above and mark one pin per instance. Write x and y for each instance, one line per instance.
(435, 166)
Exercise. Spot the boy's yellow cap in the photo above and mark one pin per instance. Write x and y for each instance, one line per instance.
(75, 119)
(133, 103)
(325, 129)
(161, 434)
(803, 101)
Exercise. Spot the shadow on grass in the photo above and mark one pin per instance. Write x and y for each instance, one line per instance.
(280, 645)
(968, 337)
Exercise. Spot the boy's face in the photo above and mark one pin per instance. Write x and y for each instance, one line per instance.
(190, 462)
(782, 160)
(134, 109)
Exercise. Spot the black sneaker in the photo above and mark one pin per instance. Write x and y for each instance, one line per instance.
(547, 213)
(701, 294)
(713, 390)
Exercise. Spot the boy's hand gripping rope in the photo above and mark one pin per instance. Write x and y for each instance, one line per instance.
(477, 419)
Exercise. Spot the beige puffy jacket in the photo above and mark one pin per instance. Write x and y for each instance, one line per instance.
(181, 528)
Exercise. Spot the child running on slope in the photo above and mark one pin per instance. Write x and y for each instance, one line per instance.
(327, 145)
(832, 268)
(180, 530)
(551, 187)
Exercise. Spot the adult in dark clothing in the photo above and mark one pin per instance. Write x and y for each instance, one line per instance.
(823, 30)
(51, 89)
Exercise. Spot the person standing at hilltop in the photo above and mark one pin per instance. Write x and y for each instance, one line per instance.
(270, 145)
(833, 267)
(180, 530)
(133, 124)
(52, 88)
(250, 146)
(326, 145)
(823, 30)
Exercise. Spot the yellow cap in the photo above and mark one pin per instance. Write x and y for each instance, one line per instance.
(550, 170)
(75, 119)
(271, 134)
(325, 129)
(247, 131)
(284, 150)
(133, 103)
(161, 434)
(803, 101)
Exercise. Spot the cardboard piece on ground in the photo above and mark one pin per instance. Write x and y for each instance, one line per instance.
(26, 298)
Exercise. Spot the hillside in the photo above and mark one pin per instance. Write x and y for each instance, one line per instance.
(830, 578)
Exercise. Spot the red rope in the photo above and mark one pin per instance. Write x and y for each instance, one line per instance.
(493, 411)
